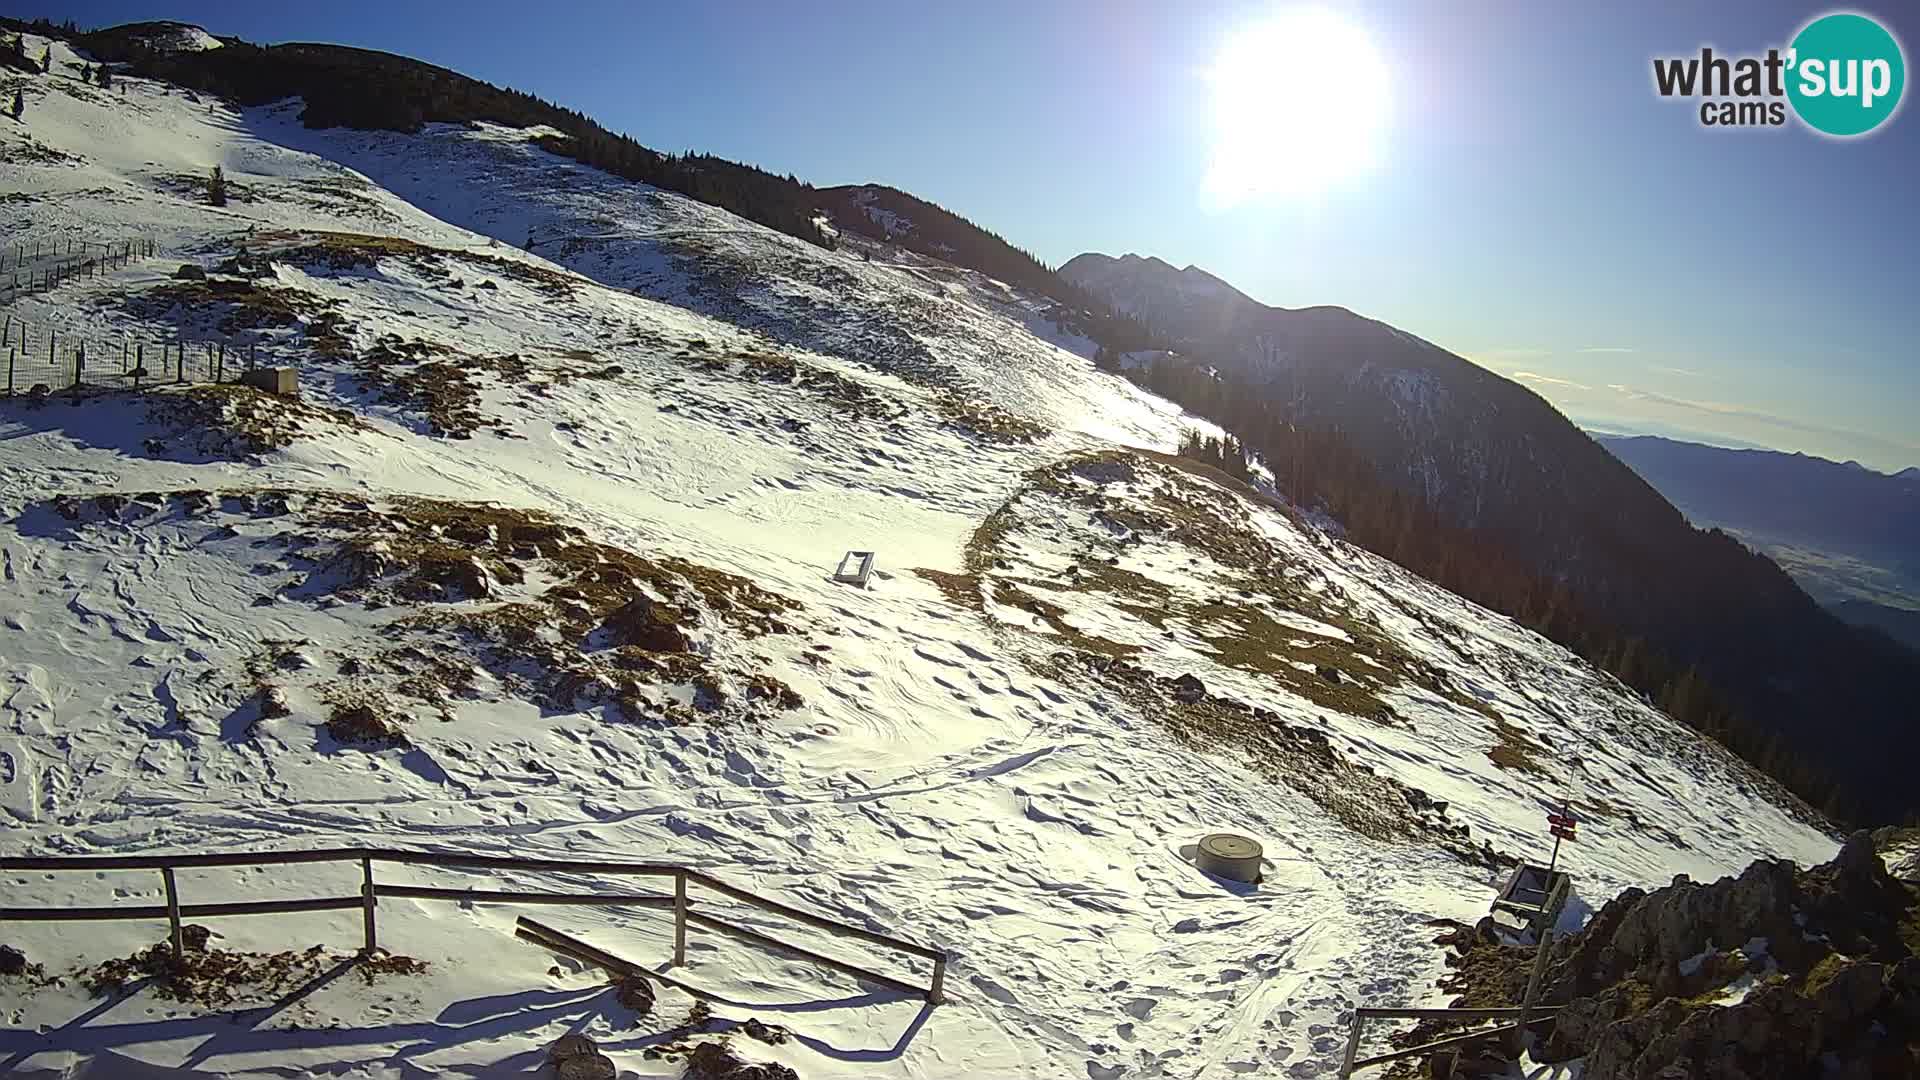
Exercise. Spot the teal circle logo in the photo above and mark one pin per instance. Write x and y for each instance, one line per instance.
(1845, 74)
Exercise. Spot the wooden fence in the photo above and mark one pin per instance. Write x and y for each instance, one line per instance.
(680, 902)
(41, 356)
(1528, 1013)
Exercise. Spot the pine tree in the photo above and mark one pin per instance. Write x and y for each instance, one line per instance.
(217, 187)
(104, 77)
(46, 60)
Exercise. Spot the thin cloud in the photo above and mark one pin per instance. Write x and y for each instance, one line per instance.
(1721, 408)
(1607, 349)
(1549, 380)
(1688, 372)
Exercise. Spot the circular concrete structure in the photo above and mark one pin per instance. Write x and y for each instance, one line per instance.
(1229, 856)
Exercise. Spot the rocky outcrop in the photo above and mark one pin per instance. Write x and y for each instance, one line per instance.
(575, 1057)
(1658, 984)
(636, 993)
(715, 1061)
(649, 624)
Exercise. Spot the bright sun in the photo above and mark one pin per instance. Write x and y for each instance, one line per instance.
(1299, 104)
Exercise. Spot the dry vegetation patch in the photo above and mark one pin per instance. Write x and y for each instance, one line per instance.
(481, 600)
(342, 251)
(233, 421)
(213, 978)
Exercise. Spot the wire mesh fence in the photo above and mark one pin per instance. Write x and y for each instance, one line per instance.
(39, 265)
(40, 361)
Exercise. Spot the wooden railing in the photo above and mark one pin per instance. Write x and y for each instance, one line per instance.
(1521, 1016)
(680, 903)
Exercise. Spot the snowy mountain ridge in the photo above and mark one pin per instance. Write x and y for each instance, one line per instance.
(539, 564)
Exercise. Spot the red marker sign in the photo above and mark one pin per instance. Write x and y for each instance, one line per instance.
(1562, 825)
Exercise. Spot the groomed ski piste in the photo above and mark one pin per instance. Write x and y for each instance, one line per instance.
(497, 452)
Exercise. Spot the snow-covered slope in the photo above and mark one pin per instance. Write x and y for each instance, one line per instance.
(565, 521)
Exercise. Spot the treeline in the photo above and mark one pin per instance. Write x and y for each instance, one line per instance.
(1691, 681)
(376, 91)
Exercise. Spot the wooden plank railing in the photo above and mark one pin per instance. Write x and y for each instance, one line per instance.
(679, 902)
(1522, 1017)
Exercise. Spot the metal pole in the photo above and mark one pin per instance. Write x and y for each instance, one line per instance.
(936, 991)
(680, 919)
(1353, 1044)
(367, 902)
(1540, 952)
(139, 363)
(173, 916)
(9, 372)
(79, 365)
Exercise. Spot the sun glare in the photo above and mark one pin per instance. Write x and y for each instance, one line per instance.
(1299, 105)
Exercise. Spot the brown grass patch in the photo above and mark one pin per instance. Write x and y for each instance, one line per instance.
(361, 251)
(1515, 751)
(234, 421)
(217, 977)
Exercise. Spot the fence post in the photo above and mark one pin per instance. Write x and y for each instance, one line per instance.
(9, 372)
(1353, 1044)
(173, 915)
(220, 365)
(1540, 953)
(367, 902)
(180, 362)
(79, 366)
(139, 363)
(124, 347)
(680, 918)
(936, 991)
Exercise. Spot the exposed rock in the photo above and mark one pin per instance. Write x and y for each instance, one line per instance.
(754, 1029)
(635, 993)
(572, 1044)
(195, 937)
(1854, 992)
(715, 1061)
(190, 272)
(1836, 990)
(586, 1067)
(1189, 689)
(12, 961)
(648, 624)
(273, 702)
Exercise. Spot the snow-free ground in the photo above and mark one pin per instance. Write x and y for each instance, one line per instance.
(981, 751)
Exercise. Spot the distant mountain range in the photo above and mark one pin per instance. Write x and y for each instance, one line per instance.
(1616, 568)
(1810, 502)
(1848, 534)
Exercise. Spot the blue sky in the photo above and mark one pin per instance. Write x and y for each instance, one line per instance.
(1534, 206)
